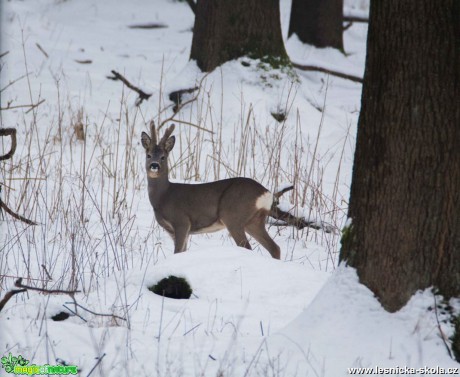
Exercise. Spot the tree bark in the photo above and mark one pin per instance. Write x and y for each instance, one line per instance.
(405, 192)
(225, 30)
(318, 22)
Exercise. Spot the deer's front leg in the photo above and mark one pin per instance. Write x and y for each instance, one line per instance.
(181, 233)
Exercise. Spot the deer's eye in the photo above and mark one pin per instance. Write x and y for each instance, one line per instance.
(162, 158)
(149, 156)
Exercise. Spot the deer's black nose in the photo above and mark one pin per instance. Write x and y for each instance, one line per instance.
(154, 166)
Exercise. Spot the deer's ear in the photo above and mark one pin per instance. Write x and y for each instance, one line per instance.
(169, 144)
(145, 139)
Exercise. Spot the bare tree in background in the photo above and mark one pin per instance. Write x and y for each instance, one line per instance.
(225, 30)
(318, 22)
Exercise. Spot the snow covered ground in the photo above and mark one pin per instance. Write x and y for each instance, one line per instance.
(249, 315)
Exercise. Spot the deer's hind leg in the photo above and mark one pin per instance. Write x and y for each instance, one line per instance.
(234, 213)
(256, 228)
(239, 236)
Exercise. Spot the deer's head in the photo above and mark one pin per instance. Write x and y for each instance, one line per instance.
(156, 161)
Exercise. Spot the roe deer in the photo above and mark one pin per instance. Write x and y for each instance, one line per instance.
(238, 204)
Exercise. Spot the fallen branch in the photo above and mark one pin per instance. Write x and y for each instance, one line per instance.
(176, 96)
(289, 219)
(18, 283)
(8, 295)
(152, 25)
(281, 192)
(87, 61)
(328, 71)
(178, 107)
(292, 220)
(4, 207)
(142, 95)
(9, 132)
(355, 19)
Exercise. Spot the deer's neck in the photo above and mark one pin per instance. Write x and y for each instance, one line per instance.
(158, 187)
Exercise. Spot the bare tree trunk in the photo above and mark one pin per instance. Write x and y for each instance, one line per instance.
(405, 193)
(225, 30)
(318, 22)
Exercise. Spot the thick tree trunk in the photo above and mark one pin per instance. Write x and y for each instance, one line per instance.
(318, 22)
(405, 193)
(225, 30)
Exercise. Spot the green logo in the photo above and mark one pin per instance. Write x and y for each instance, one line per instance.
(19, 365)
(11, 361)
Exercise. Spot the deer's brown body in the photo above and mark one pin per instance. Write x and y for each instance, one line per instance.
(239, 204)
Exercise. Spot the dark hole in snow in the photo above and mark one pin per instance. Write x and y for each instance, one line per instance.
(172, 287)
(280, 116)
(61, 316)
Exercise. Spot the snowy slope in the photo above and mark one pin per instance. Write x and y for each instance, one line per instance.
(249, 315)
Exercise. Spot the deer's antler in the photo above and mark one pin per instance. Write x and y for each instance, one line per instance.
(167, 134)
(153, 133)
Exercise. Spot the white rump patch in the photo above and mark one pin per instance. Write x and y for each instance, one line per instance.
(265, 201)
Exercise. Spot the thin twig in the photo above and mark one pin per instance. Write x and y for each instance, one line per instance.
(19, 284)
(42, 50)
(4, 54)
(142, 95)
(193, 328)
(19, 277)
(74, 313)
(12, 82)
(176, 109)
(31, 106)
(347, 26)
(95, 365)
(101, 314)
(190, 124)
(47, 273)
(328, 71)
(180, 105)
